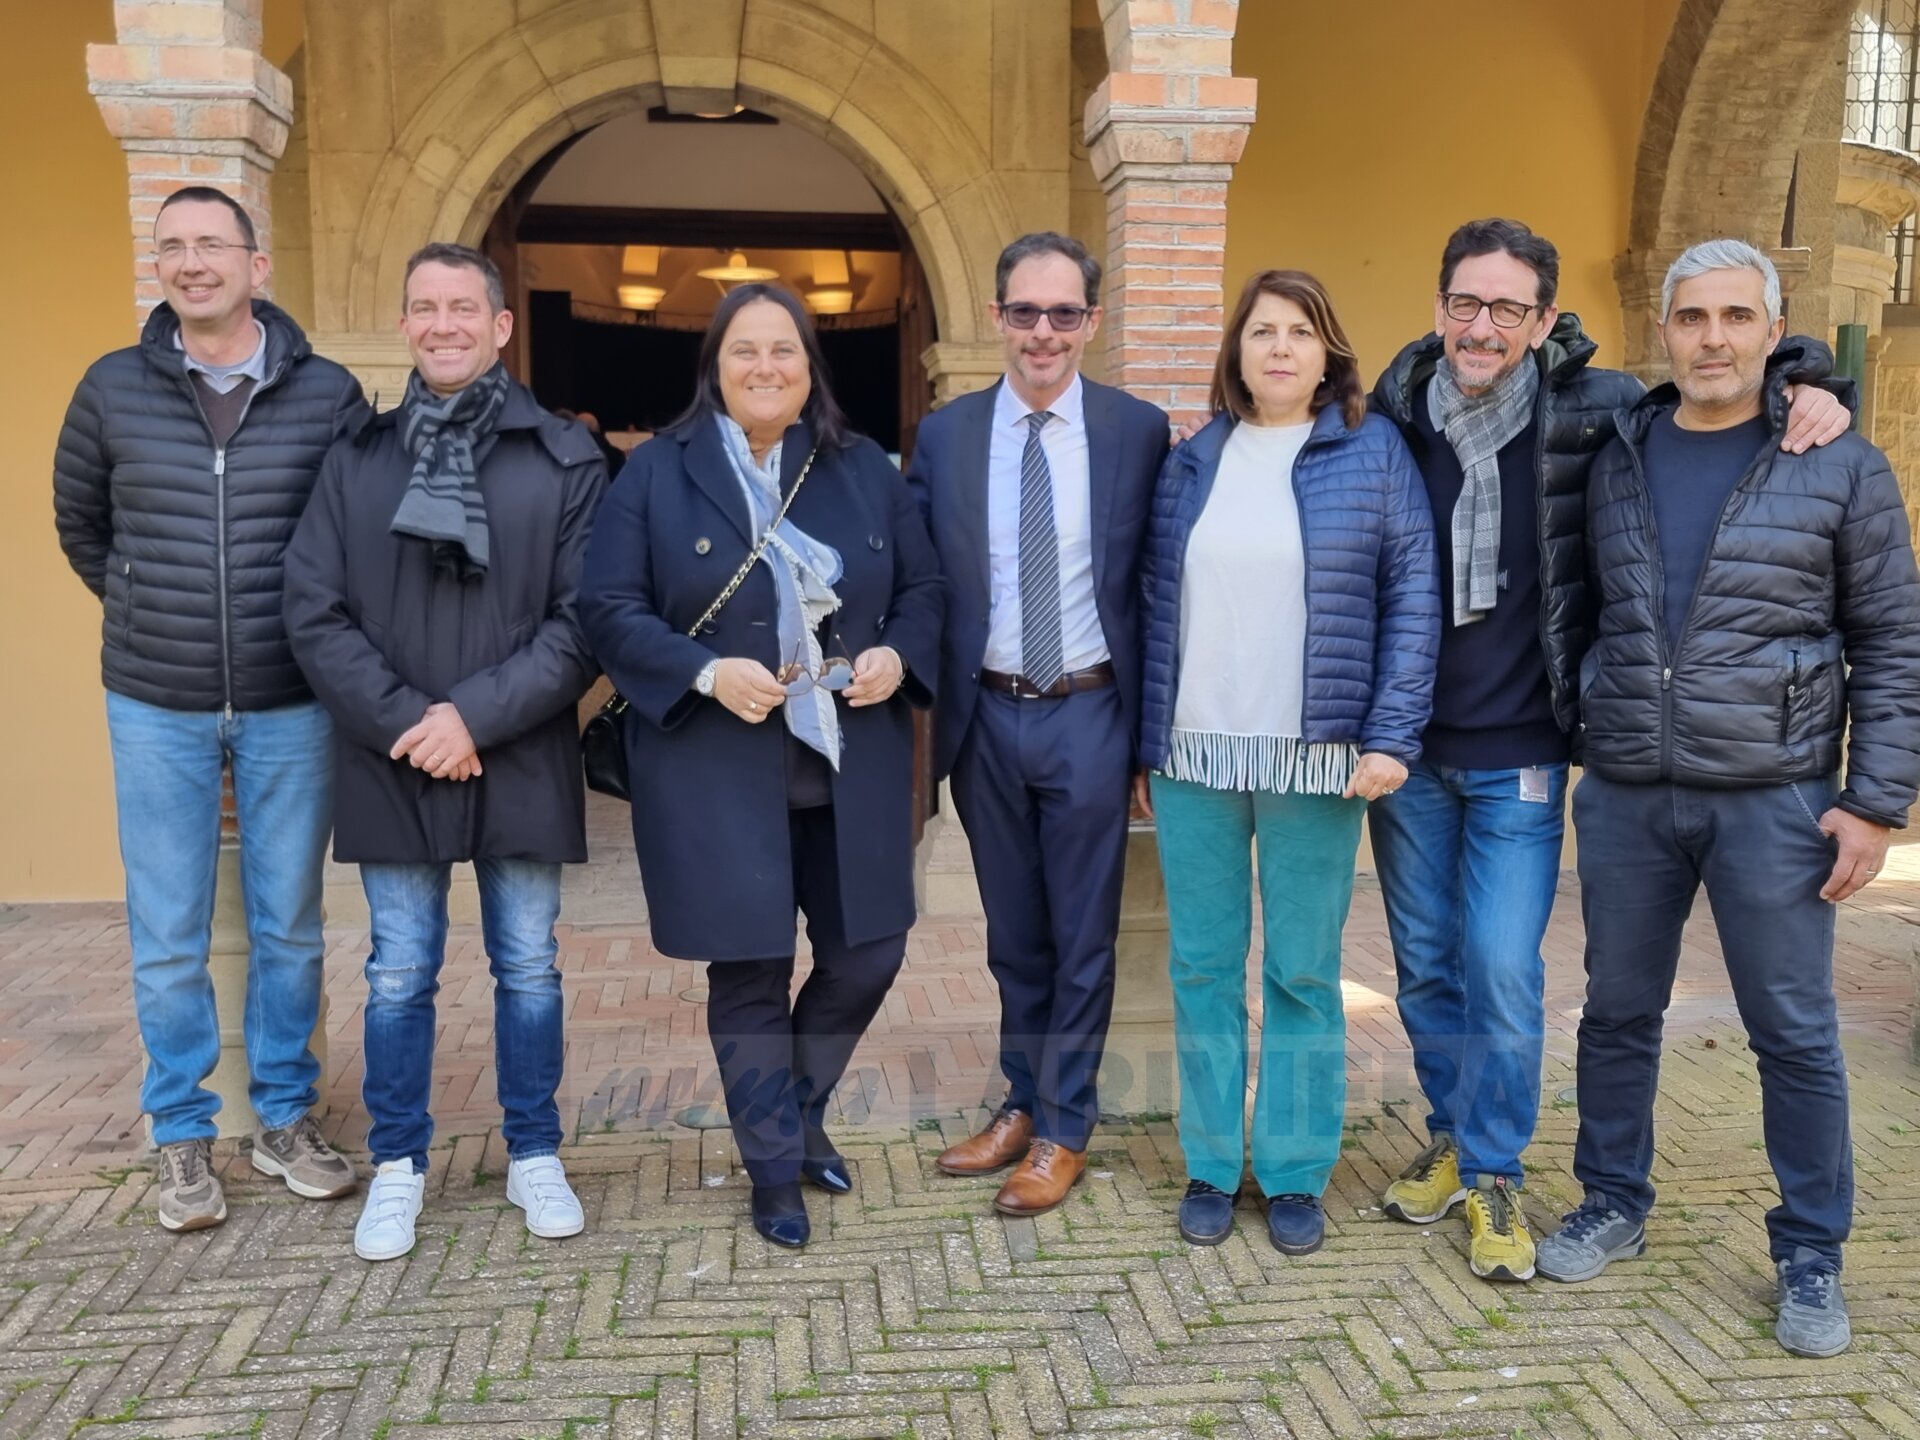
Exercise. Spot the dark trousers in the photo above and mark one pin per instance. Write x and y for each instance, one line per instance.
(1042, 788)
(780, 1060)
(1644, 851)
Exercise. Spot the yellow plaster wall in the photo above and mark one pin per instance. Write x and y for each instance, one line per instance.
(1383, 127)
(73, 250)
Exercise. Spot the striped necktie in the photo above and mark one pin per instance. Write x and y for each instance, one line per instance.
(1041, 660)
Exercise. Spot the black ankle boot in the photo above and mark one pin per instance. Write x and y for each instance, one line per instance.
(780, 1214)
(824, 1165)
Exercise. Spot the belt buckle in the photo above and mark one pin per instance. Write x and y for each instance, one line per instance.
(1025, 689)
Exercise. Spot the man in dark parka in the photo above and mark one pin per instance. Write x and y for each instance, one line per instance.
(430, 598)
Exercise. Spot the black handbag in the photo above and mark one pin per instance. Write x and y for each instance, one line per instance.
(603, 745)
(603, 750)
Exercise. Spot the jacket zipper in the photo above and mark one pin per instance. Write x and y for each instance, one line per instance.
(1671, 653)
(220, 529)
(1793, 686)
(1541, 461)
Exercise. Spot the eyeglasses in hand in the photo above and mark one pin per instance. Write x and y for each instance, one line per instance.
(835, 672)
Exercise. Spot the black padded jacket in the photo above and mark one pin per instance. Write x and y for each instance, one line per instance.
(181, 539)
(1806, 619)
(1574, 420)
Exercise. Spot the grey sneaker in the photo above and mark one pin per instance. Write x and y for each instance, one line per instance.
(300, 1155)
(1588, 1240)
(1813, 1313)
(190, 1194)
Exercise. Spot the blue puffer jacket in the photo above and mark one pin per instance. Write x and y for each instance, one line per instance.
(1373, 585)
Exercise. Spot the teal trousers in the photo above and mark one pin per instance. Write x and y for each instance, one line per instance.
(1306, 846)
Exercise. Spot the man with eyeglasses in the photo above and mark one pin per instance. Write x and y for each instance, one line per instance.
(1504, 414)
(182, 469)
(1036, 492)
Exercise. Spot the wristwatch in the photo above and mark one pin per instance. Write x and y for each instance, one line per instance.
(703, 682)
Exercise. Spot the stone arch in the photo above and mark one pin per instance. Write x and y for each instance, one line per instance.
(1724, 125)
(561, 72)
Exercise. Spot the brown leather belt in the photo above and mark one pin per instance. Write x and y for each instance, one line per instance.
(1091, 678)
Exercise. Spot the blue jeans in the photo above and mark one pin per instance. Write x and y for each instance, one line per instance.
(1645, 851)
(407, 904)
(166, 781)
(1306, 846)
(1468, 871)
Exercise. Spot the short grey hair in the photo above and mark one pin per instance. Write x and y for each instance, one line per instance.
(1721, 255)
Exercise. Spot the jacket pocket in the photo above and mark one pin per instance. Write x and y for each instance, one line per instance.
(119, 593)
(1790, 700)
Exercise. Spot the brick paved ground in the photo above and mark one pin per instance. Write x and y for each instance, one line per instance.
(915, 1311)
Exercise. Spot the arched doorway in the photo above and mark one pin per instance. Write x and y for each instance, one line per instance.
(618, 245)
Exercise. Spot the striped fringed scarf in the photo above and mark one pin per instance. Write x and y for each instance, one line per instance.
(442, 502)
(1283, 764)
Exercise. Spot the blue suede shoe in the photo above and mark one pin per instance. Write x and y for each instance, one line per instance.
(780, 1215)
(1206, 1215)
(1296, 1224)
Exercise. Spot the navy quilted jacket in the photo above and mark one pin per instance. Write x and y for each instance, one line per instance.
(1373, 586)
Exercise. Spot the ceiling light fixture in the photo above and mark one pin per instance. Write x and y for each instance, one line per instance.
(830, 301)
(641, 297)
(737, 271)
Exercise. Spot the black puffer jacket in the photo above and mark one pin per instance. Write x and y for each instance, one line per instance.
(1807, 616)
(181, 541)
(1575, 415)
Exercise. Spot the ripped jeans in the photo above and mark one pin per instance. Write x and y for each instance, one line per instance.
(519, 902)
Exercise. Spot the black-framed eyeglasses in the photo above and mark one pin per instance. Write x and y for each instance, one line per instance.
(1023, 315)
(1465, 309)
(835, 672)
(173, 251)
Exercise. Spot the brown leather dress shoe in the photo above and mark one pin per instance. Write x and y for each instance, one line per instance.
(1004, 1141)
(1042, 1181)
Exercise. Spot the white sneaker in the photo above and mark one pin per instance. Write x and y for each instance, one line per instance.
(539, 1187)
(385, 1230)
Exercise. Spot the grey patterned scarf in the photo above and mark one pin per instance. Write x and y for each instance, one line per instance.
(1478, 426)
(442, 502)
(804, 571)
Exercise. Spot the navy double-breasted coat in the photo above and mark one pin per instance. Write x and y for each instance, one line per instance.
(708, 788)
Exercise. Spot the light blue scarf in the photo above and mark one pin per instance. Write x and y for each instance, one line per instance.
(804, 573)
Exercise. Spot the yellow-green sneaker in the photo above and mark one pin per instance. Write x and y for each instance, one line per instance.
(1500, 1247)
(1429, 1187)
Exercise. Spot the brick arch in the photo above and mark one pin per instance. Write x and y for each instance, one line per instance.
(1728, 115)
(567, 70)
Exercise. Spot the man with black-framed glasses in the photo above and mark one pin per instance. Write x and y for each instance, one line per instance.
(182, 469)
(1504, 415)
(1036, 492)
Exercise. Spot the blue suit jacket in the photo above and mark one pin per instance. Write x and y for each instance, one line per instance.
(1126, 443)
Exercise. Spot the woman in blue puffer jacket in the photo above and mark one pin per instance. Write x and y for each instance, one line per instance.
(1292, 608)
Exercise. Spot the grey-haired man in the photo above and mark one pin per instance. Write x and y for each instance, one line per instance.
(1752, 605)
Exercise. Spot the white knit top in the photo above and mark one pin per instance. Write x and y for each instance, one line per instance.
(1243, 630)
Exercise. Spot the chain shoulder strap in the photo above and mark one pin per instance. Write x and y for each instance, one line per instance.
(753, 556)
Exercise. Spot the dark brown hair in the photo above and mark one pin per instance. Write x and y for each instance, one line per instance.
(825, 421)
(1341, 384)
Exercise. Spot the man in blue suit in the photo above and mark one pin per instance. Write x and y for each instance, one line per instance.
(1036, 493)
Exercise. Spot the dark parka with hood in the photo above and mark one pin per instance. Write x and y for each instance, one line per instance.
(1574, 419)
(383, 632)
(183, 540)
(1806, 619)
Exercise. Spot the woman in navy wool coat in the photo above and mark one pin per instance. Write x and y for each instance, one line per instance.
(770, 751)
(1292, 618)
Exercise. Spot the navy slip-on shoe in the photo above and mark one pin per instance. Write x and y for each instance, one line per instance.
(1206, 1214)
(1296, 1224)
(780, 1215)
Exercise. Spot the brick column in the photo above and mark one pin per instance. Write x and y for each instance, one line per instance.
(1164, 130)
(192, 102)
